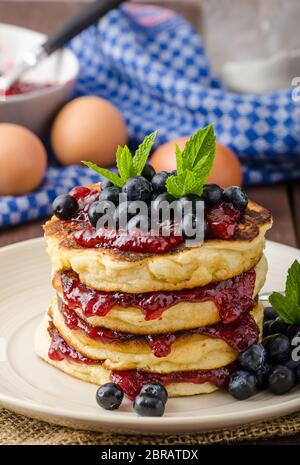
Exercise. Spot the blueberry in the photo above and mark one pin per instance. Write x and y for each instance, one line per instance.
(270, 314)
(267, 328)
(148, 172)
(138, 188)
(268, 339)
(279, 349)
(281, 379)
(159, 182)
(236, 196)
(292, 331)
(255, 358)
(147, 405)
(173, 173)
(187, 203)
(292, 364)
(65, 206)
(106, 183)
(139, 221)
(212, 194)
(242, 385)
(122, 215)
(111, 194)
(278, 326)
(109, 396)
(156, 208)
(155, 389)
(97, 210)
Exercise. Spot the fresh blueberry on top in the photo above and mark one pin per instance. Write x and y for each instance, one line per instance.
(255, 358)
(111, 194)
(242, 385)
(138, 188)
(281, 379)
(270, 314)
(292, 330)
(65, 206)
(279, 349)
(267, 328)
(148, 172)
(109, 396)
(292, 364)
(236, 196)
(211, 194)
(278, 326)
(159, 182)
(155, 389)
(187, 204)
(147, 405)
(157, 208)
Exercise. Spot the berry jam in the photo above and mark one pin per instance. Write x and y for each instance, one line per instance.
(239, 335)
(233, 297)
(222, 221)
(137, 241)
(85, 198)
(132, 382)
(21, 87)
(60, 350)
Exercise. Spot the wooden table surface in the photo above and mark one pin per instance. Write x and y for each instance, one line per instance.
(282, 199)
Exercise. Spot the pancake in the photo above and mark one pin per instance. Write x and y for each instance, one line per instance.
(189, 352)
(179, 268)
(181, 316)
(99, 375)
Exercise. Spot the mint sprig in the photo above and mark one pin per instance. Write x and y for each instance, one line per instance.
(193, 164)
(288, 306)
(127, 164)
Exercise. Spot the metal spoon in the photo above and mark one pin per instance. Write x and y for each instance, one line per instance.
(68, 31)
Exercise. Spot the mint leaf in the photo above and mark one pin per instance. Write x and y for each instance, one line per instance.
(113, 177)
(288, 306)
(179, 160)
(200, 145)
(124, 163)
(183, 184)
(142, 153)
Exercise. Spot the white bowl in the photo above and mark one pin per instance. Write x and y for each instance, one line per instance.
(36, 109)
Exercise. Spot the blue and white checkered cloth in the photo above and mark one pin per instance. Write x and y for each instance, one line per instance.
(151, 64)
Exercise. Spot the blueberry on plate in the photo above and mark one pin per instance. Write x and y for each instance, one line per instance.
(148, 172)
(65, 206)
(147, 405)
(138, 188)
(111, 194)
(155, 389)
(242, 385)
(281, 379)
(236, 196)
(211, 194)
(109, 396)
(159, 182)
(255, 359)
(278, 326)
(270, 314)
(279, 349)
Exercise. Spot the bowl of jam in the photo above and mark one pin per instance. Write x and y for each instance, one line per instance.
(35, 98)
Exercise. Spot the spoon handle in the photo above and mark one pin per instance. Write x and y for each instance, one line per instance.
(78, 23)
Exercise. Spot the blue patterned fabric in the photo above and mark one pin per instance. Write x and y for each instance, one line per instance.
(151, 64)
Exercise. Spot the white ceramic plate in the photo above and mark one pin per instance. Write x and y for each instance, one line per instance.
(31, 387)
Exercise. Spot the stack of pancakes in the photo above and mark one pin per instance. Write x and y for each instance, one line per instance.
(101, 326)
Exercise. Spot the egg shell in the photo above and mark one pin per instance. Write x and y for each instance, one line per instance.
(23, 160)
(88, 128)
(225, 172)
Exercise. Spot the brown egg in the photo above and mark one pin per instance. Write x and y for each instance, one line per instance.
(88, 128)
(23, 160)
(226, 170)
